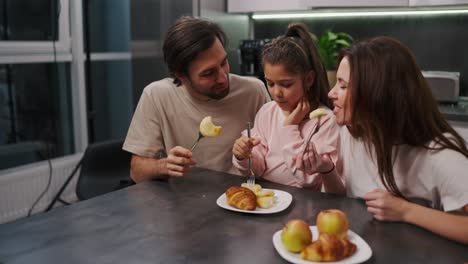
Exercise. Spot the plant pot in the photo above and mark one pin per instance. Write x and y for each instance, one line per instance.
(331, 75)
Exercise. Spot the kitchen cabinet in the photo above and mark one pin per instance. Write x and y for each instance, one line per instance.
(461, 128)
(245, 6)
(356, 3)
(437, 2)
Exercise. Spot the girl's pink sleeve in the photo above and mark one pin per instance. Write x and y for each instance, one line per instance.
(325, 140)
(258, 152)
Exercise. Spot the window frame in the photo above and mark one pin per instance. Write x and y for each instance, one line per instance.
(61, 50)
(62, 46)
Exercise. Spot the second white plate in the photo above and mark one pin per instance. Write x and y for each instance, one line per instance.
(282, 201)
(363, 252)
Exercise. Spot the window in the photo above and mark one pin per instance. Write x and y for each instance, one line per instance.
(48, 108)
(34, 27)
(36, 110)
(35, 113)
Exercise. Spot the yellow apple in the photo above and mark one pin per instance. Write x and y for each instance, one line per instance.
(208, 129)
(317, 113)
(265, 193)
(265, 202)
(332, 221)
(254, 188)
(296, 235)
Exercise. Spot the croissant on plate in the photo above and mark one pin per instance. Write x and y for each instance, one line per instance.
(241, 198)
(328, 248)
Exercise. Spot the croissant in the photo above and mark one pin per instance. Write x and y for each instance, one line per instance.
(328, 248)
(241, 198)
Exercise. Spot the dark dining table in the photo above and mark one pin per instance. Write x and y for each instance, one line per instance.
(178, 221)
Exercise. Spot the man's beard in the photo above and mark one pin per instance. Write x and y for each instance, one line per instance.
(212, 95)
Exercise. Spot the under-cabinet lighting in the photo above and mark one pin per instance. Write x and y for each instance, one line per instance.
(320, 14)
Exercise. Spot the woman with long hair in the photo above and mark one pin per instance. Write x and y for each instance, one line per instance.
(398, 151)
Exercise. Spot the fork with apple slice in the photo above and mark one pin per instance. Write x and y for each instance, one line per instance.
(207, 129)
(317, 113)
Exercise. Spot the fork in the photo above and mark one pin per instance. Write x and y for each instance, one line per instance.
(250, 173)
(306, 147)
(200, 136)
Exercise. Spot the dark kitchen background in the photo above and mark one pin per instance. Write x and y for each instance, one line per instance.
(438, 42)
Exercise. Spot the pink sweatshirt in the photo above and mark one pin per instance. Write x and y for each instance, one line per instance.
(272, 157)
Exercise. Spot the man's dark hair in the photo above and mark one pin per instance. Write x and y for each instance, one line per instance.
(185, 40)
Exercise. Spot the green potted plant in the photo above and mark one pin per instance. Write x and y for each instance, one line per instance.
(328, 44)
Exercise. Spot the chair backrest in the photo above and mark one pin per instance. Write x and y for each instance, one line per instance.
(105, 168)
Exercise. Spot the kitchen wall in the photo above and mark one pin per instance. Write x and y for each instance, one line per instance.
(439, 42)
(236, 27)
(149, 22)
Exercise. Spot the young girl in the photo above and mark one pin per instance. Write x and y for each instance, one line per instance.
(297, 82)
(398, 152)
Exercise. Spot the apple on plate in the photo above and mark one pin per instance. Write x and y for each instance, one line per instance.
(334, 222)
(296, 235)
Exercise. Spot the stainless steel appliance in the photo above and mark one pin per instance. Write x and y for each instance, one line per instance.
(250, 52)
(445, 85)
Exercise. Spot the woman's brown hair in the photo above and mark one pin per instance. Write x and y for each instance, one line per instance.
(298, 53)
(392, 104)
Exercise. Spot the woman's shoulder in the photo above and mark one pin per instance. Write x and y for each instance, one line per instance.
(446, 155)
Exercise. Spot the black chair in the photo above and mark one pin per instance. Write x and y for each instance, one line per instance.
(105, 167)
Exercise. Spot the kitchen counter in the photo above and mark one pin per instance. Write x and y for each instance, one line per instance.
(456, 112)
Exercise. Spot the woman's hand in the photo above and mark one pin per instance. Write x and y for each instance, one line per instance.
(297, 115)
(243, 146)
(385, 206)
(313, 162)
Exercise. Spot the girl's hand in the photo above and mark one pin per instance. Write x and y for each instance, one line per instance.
(297, 115)
(243, 146)
(313, 162)
(385, 206)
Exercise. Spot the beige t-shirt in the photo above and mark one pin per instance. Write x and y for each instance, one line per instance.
(434, 178)
(168, 116)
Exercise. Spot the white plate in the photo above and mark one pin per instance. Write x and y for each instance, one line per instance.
(282, 201)
(363, 251)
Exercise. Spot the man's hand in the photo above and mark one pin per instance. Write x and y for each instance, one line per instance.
(178, 162)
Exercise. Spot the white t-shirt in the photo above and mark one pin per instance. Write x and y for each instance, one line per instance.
(434, 178)
(168, 116)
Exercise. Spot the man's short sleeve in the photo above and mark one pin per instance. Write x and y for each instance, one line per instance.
(144, 136)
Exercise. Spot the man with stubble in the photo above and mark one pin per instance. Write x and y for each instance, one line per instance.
(169, 112)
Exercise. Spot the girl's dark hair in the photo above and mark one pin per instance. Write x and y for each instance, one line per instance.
(185, 40)
(297, 52)
(392, 105)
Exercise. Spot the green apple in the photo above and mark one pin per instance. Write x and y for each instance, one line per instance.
(296, 235)
(332, 221)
